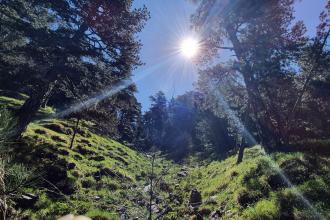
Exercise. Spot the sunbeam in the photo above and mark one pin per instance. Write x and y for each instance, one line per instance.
(107, 93)
(251, 141)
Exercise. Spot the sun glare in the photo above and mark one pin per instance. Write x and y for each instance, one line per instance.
(189, 47)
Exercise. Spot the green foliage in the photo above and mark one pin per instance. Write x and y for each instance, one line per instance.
(14, 177)
(263, 210)
(63, 51)
(245, 191)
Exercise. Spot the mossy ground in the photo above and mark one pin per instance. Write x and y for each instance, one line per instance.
(254, 189)
(99, 176)
(96, 174)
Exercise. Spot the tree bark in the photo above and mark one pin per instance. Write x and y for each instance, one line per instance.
(74, 132)
(28, 110)
(151, 187)
(240, 154)
(265, 128)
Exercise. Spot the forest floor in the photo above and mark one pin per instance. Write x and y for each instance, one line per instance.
(104, 179)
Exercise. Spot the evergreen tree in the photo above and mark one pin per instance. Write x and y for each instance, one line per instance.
(154, 120)
(264, 53)
(89, 45)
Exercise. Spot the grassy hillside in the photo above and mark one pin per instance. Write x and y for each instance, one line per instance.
(104, 179)
(254, 189)
(95, 174)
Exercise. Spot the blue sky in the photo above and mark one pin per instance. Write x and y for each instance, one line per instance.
(167, 70)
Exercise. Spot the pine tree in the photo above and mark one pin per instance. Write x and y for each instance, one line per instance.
(263, 53)
(88, 45)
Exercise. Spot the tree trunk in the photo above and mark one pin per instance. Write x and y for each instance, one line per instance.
(151, 187)
(48, 94)
(28, 110)
(74, 132)
(240, 154)
(264, 125)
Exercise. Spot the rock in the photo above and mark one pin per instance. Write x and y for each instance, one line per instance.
(97, 197)
(182, 174)
(146, 188)
(121, 209)
(195, 199)
(175, 199)
(211, 200)
(216, 214)
(155, 208)
(26, 201)
(124, 216)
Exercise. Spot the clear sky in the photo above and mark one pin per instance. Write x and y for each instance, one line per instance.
(169, 71)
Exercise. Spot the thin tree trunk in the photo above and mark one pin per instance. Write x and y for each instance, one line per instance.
(240, 154)
(49, 94)
(74, 132)
(151, 187)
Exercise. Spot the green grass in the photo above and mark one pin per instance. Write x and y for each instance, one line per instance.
(46, 145)
(13, 103)
(245, 191)
(241, 191)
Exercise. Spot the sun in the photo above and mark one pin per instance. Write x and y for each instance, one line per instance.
(189, 47)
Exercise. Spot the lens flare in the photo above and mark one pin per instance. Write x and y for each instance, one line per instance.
(189, 47)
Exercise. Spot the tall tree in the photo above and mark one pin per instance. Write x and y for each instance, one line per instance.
(154, 120)
(90, 45)
(263, 53)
